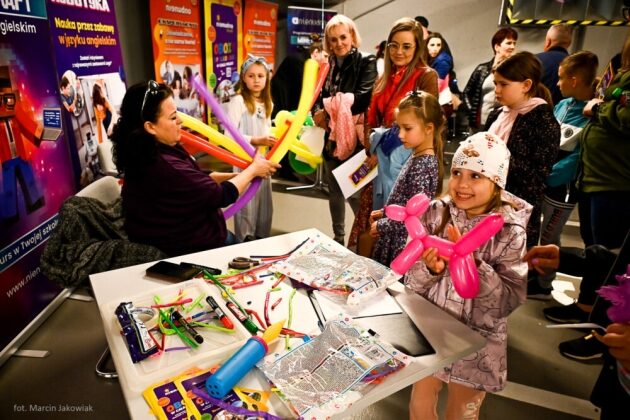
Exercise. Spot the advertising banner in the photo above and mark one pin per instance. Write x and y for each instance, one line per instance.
(259, 26)
(304, 21)
(176, 34)
(36, 174)
(89, 71)
(223, 19)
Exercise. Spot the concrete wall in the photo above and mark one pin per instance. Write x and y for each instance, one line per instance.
(468, 26)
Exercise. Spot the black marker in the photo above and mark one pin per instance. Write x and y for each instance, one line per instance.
(186, 326)
(222, 317)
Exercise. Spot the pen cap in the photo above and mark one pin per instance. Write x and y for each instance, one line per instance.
(236, 367)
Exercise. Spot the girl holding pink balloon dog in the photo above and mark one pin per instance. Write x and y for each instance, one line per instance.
(421, 121)
(475, 189)
(250, 112)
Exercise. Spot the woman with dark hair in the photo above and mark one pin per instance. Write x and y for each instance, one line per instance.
(168, 201)
(479, 91)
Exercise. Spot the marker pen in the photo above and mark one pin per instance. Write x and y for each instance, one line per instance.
(247, 323)
(222, 317)
(186, 326)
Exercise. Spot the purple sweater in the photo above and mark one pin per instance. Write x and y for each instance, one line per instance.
(173, 205)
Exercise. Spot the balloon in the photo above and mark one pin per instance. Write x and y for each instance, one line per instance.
(218, 111)
(243, 199)
(306, 99)
(213, 135)
(418, 204)
(396, 212)
(479, 234)
(222, 154)
(415, 227)
(407, 257)
(299, 166)
(464, 276)
(461, 264)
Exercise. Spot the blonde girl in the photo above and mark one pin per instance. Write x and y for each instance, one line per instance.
(527, 125)
(421, 123)
(476, 188)
(250, 111)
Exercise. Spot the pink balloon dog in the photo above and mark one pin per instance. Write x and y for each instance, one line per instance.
(461, 263)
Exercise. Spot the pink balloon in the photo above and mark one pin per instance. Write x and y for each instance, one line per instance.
(464, 276)
(396, 212)
(418, 204)
(444, 246)
(415, 227)
(461, 262)
(403, 262)
(479, 234)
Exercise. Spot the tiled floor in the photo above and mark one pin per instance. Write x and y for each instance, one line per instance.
(542, 384)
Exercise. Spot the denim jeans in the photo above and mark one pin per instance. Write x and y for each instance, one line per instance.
(604, 217)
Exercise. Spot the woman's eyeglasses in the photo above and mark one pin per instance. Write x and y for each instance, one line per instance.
(395, 46)
(152, 89)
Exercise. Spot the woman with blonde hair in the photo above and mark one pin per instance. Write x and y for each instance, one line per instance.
(351, 71)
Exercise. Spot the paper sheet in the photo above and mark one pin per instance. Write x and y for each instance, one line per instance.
(353, 175)
(381, 304)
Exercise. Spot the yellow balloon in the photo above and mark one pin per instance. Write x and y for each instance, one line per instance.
(213, 135)
(303, 151)
(306, 98)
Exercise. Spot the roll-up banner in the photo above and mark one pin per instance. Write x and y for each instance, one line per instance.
(36, 171)
(176, 33)
(90, 76)
(259, 26)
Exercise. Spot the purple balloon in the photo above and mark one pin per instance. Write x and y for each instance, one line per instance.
(249, 193)
(217, 109)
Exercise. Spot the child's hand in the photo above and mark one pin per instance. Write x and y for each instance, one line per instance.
(452, 233)
(375, 215)
(268, 141)
(434, 263)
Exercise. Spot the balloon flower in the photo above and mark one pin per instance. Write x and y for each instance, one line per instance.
(461, 263)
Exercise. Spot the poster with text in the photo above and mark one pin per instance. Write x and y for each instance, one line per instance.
(90, 77)
(302, 22)
(176, 34)
(36, 174)
(259, 28)
(223, 19)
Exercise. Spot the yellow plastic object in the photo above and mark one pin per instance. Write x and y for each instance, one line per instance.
(273, 331)
(213, 135)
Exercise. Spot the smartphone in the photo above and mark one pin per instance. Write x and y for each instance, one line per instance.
(172, 272)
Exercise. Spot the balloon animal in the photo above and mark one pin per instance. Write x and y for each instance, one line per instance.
(461, 263)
